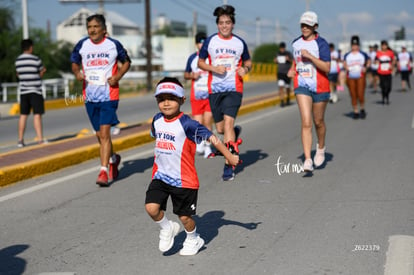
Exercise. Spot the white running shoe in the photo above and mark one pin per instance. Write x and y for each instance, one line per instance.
(319, 157)
(192, 246)
(207, 149)
(167, 237)
(115, 130)
(308, 165)
(334, 97)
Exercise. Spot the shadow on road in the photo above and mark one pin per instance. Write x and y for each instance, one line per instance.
(250, 157)
(135, 166)
(10, 264)
(208, 227)
(328, 158)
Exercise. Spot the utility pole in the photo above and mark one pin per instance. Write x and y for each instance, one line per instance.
(308, 4)
(194, 23)
(25, 21)
(257, 31)
(148, 44)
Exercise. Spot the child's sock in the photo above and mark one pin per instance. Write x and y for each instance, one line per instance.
(164, 223)
(104, 168)
(192, 234)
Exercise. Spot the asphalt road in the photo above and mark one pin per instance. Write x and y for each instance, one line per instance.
(67, 122)
(352, 216)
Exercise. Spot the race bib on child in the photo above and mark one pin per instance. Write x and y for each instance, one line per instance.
(96, 78)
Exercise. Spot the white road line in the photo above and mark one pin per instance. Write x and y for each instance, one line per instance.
(90, 170)
(400, 255)
(63, 179)
(412, 122)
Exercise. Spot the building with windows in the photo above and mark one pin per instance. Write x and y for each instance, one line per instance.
(168, 53)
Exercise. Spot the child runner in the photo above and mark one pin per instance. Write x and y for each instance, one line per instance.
(174, 173)
(200, 105)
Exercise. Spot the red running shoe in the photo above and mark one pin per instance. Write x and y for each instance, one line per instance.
(102, 179)
(113, 167)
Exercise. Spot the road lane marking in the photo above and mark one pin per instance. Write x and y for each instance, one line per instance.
(412, 122)
(63, 179)
(400, 255)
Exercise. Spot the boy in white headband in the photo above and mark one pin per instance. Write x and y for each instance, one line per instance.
(174, 173)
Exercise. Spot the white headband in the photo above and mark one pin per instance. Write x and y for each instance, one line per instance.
(169, 88)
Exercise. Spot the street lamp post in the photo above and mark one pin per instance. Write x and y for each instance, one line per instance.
(25, 20)
(148, 44)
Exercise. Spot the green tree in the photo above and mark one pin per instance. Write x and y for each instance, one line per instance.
(9, 41)
(55, 55)
(6, 19)
(265, 53)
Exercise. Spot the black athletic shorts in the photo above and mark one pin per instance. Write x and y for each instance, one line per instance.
(333, 77)
(283, 80)
(405, 75)
(32, 101)
(227, 103)
(184, 200)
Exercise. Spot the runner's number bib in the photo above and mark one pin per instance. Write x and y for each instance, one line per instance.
(305, 70)
(96, 78)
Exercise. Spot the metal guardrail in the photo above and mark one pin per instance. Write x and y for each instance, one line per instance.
(59, 87)
(49, 86)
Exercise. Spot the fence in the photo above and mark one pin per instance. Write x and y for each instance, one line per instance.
(51, 88)
(59, 87)
(262, 72)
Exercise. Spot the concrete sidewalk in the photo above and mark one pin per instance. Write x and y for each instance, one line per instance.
(36, 160)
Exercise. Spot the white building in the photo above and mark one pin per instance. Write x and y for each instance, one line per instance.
(74, 28)
(168, 53)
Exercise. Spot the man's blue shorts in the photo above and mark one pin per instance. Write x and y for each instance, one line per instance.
(316, 97)
(102, 113)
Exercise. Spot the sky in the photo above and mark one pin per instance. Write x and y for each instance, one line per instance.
(257, 21)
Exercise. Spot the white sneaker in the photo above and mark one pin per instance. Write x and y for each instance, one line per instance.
(308, 165)
(319, 157)
(167, 237)
(192, 246)
(115, 130)
(207, 150)
(200, 148)
(334, 97)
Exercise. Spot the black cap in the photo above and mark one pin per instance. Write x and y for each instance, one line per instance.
(355, 40)
(200, 37)
(282, 45)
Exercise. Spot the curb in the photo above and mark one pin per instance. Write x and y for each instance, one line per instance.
(57, 161)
